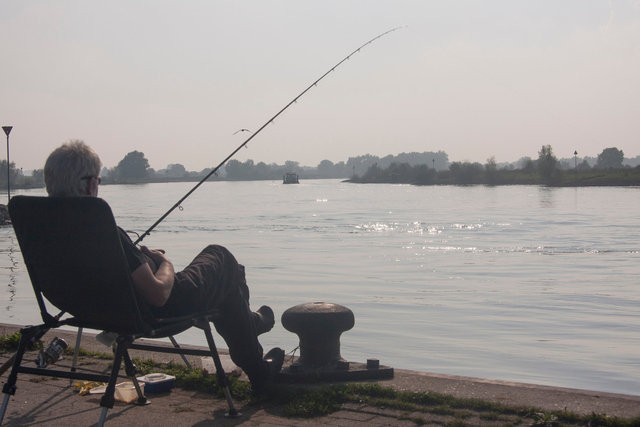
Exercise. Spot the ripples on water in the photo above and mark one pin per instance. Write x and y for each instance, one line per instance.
(525, 284)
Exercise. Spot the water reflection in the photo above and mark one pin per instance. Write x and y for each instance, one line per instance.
(13, 255)
(547, 197)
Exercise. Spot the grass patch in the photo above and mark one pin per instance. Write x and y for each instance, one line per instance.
(194, 379)
(10, 342)
(91, 354)
(320, 401)
(309, 403)
(414, 419)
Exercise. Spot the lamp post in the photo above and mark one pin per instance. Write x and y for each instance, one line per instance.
(7, 130)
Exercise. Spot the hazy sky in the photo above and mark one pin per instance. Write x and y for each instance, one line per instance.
(176, 79)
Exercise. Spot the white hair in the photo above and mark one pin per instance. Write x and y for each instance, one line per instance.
(68, 169)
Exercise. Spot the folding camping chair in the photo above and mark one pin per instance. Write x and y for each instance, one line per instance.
(75, 260)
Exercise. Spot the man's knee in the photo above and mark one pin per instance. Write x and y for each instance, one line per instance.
(218, 250)
(224, 258)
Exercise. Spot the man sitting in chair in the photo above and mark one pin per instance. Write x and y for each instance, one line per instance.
(213, 280)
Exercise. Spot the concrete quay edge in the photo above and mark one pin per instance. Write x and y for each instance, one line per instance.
(546, 398)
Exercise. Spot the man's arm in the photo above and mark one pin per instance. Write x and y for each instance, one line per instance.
(155, 288)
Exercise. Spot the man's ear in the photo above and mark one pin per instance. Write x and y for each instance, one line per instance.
(92, 187)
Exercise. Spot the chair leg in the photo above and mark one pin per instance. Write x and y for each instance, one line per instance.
(9, 388)
(108, 399)
(103, 417)
(5, 403)
(222, 376)
(76, 350)
(131, 371)
(184, 358)
(121, 352)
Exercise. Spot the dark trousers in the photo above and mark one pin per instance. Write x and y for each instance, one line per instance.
(215, 280)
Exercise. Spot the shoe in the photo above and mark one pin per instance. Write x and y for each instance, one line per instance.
(274, 360)
(264, 319)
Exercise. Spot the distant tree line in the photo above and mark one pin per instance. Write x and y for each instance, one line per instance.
(547, 169)
(418, 168)
(135, 168)
(18, 179)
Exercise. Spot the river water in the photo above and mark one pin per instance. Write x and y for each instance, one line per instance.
(517, 283)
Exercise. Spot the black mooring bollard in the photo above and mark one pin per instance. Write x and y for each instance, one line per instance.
(319, 326)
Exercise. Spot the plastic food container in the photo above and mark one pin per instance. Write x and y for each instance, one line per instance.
(126, 392)
(157, 382)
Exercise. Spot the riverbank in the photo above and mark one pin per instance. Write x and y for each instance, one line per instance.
(477, 174)
(471, 401)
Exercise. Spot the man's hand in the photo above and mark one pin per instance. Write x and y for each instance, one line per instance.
(155, 257)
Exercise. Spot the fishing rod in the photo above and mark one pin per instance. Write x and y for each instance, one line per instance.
(253, 135)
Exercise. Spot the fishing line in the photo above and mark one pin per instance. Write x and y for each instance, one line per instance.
(254, 134)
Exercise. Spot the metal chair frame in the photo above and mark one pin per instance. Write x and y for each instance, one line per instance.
(41, 223)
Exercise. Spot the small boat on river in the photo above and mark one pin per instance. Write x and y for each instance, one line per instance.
(290, 178)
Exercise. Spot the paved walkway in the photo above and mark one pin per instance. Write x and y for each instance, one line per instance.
(45, 401)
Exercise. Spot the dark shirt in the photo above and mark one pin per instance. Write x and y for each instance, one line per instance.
(135, 258)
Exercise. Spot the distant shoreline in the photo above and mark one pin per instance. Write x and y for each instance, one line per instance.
(614, 178)
(627, 177)
(634, 184)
